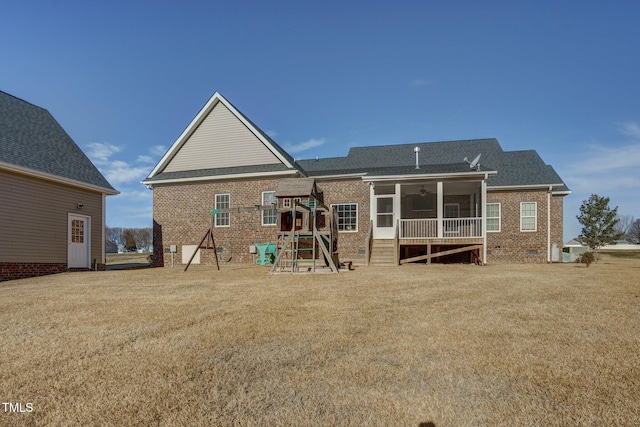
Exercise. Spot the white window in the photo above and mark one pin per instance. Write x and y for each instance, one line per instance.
(347, 216)
(493, 217)
(269, 216)
(286, 203)
(223, 202)
(528, 216)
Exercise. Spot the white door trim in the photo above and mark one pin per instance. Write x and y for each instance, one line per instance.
(79, 253)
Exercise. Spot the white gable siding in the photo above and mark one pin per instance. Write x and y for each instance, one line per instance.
(221, 141)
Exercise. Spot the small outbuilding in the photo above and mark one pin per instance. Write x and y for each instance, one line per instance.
(53, 197)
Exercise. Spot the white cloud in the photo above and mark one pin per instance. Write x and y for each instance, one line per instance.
(607, 169)
(600, 159)
(303, 146)
(158, 150)
(630, 129)
(100, 153)
(271, 133)
(129, 194)
(145, 159)
(421, 82)
(602, 165)
(119, 172)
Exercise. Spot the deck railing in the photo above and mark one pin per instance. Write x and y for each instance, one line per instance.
(451, 228)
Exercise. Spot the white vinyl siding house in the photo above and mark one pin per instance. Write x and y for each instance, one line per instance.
(53, 198)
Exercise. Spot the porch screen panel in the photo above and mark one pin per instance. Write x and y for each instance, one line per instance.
(384, 211)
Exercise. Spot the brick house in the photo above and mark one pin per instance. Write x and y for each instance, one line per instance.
(424, 202)
(52, 213)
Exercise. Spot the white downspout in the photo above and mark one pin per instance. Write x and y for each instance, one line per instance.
(483, 205)
(440, 208)
(549, 224)
(103, 255)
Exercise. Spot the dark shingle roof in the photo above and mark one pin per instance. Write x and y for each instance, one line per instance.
(31, 138)
(514, 168)
(236, 170)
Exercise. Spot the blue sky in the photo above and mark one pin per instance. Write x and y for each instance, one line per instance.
(125, 78)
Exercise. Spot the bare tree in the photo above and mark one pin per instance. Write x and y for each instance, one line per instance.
(633, 234)
(114, 234)
(143, 237)
(624, 223)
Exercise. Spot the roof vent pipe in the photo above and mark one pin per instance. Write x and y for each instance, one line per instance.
(417, 151)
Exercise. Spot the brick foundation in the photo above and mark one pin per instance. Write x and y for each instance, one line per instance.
(23, 270)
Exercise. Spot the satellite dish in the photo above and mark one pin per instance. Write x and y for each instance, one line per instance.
(474, 163)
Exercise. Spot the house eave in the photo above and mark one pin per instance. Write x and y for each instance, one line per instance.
(526, 187)
(151, 182)
(412, 177)
(57, 179)
(338, 176)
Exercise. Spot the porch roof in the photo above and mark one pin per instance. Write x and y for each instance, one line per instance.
(457, 169)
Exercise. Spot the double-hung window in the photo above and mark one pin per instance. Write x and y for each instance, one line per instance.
(222, 202)
(493, 217)
(269, 216)
(528, 216)
(347, 216)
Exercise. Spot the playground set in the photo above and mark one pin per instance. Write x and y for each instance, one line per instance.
(306, 231)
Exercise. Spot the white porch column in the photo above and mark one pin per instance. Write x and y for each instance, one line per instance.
(396, 206)
(440, 208)
(483, 204)
(372, 203)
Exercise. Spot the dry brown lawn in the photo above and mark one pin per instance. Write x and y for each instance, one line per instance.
(446, 345)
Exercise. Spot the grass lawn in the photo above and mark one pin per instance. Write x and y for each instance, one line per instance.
(623, 254)
(401, 346)
(128, 258)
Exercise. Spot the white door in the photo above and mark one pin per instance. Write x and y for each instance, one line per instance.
(384, 219)
(79, 239)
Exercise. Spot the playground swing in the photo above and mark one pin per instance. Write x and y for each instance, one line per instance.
(262, 248)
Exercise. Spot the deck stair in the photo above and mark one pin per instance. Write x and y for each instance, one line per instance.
(383, 252)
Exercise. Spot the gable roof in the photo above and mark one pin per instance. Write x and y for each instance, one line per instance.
(221, 142)
(32, 142)
(514, 168)
(504, 169)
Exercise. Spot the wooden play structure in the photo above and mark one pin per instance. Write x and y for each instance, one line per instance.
(307, 234)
